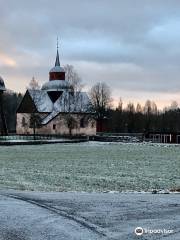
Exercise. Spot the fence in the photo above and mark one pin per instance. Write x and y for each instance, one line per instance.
(39, 137)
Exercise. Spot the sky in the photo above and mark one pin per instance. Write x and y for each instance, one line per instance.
(131, 45)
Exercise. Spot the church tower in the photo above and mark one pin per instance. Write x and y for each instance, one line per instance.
(57, 83)
(57, 72)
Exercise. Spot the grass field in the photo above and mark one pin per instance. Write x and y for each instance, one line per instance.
(90, 167)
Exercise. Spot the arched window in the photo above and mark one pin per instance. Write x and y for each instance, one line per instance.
(23, 122)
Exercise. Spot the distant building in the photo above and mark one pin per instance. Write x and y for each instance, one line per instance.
(56, 108)
(163, 137)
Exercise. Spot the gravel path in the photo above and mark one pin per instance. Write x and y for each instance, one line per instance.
(40, 215)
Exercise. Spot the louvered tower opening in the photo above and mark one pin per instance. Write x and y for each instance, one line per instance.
(54, 95)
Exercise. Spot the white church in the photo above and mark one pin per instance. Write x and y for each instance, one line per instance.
(55, 108)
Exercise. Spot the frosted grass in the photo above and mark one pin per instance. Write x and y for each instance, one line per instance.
(90, 167)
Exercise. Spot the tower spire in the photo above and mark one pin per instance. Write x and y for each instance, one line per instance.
(57, 72)
(57, 63)
(57, 43)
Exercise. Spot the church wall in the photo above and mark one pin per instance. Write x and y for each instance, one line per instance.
(56, 126)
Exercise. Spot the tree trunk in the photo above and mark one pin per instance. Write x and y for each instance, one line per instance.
(34, 127)
(70, 131)
(3, 128)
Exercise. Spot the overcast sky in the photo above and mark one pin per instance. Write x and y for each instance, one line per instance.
(132, 45)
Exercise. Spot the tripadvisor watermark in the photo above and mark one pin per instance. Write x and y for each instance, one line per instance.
(140, 231)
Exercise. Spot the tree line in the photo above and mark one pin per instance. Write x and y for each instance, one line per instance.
(11, 100)
(132, 119)
(143, 120)
(129, 119)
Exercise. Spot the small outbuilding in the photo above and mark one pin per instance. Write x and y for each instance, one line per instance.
(163, 137)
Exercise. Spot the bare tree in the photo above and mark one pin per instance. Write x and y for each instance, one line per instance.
(150, 111)
(154, 108)
(73, 78)
(72, 96)
(174, 105)
(3, 124)
(120, 105)
(138, 108)
(69, 105)
(24, 124)
(100, 96)
(150, 107)
(147, 107)
(71, 123)
(35, 122)
(34, 117)
(34, 85)
(130, 107)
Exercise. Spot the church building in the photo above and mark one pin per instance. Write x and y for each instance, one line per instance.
(56, 108)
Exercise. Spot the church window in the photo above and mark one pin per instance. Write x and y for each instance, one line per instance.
(82, 123)
(92, 124)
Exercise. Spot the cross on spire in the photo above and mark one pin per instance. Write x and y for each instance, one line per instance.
(57, 63)
(57, 43)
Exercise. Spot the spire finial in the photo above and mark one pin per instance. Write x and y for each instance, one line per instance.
(57, 43)
(57, 63)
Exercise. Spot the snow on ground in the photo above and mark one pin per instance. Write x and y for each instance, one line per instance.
(87, 216)
(23, 221)
(92, 166)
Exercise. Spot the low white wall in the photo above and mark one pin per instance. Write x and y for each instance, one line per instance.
(60, 123)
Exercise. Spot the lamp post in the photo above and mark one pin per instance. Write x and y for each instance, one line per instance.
(3, 125)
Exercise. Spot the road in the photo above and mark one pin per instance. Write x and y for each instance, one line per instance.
(87, 216)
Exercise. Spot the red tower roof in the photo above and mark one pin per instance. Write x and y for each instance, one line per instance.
(57, 72)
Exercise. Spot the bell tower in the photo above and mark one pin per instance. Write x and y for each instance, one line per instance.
(57, 72)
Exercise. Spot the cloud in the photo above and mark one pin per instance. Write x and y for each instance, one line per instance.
(7, 61)
(131, 45)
